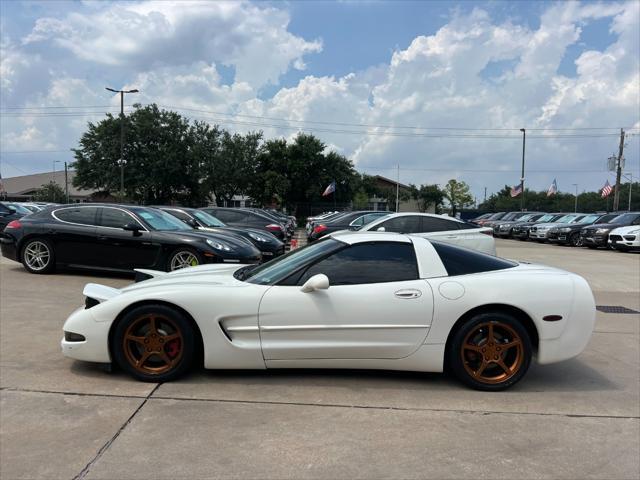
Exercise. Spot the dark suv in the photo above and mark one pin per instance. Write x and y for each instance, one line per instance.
(569, 234)
(597, 235)
(239, 217)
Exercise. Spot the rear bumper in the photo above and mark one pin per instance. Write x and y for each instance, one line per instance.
(9, 248)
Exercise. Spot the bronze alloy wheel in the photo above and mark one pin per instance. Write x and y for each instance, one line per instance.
(153, 344)
(492, 352)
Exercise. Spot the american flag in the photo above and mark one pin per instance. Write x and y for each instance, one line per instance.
(606, 190)
(516, 190)
(553, 189)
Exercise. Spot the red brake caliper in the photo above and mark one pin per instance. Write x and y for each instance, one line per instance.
(173, 348)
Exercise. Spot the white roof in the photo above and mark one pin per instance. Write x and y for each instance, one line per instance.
(359, 237)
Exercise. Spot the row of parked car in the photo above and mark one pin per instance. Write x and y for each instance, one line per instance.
(620, 231)
(126, 237)
(436, 227)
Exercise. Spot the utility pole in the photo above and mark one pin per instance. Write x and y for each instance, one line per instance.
(122, 160)
(66, 182)
(524, 138)
(398, 190)
(616, 194)
(575, 208)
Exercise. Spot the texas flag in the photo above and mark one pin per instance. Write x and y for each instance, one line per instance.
(330, 189)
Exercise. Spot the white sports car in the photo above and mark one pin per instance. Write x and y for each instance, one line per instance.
(352, 300)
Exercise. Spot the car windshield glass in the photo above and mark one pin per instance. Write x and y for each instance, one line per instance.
(207, 219)
(624, 218)
(19, 208)
(280, 268)
(545, 218)
(159, 220)
(588, 219)
(567, 219)
(497, 216)
(526, 217)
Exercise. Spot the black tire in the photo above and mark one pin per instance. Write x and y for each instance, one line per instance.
(36, 251)
(574, 240)
(516, 358)
(184, 252)
(162, 361)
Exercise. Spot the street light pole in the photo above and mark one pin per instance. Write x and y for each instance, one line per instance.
(53, 177)
(524, 138)
(575, 208)
(122, 161)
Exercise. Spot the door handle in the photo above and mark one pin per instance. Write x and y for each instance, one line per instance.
(408, 293)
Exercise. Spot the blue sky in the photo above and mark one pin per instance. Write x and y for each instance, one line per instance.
(430, 65)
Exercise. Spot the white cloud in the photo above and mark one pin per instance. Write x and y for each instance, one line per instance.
(153, 34)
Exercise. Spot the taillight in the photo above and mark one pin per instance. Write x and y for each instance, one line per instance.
(272, 227)
(319, 228)
(13, 224)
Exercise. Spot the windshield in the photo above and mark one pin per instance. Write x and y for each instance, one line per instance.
(207, 219)
(546, 218)
(497, 216)
(159, 220)
(19, 208)
(567, 219)
(526, 217)
(625, 218)
(589, 219)
(280, 268)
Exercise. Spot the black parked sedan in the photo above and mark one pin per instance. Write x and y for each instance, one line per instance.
(597, 235)
(569, 234)
(344, 221)
(268, 245)
(116, 237)
(237, 217)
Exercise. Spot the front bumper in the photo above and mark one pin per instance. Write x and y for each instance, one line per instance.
(624, 241)
(599, 240)
(95, 347)
(539, 235)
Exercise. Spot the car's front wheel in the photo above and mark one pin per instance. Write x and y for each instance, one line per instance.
(575, 240)
(491, 351)
(38, 256)
(154, 343)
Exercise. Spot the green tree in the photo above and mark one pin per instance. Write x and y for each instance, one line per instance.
(457, 195)
(157, 146)
(428, 195)
(50, 192)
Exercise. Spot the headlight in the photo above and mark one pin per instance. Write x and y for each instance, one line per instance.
(634, 232)
(602, 230)
(565, 229)
(218, 245)
(257, 238)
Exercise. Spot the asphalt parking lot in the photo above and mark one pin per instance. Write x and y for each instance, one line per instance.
(66, 419)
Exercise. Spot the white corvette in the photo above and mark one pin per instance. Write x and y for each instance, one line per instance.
(352, 300)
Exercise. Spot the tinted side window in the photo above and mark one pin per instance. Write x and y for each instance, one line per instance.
(81, 215)
(373, 262)
(460, 261)
(465, 225)
(178, 214)
(229, 216)
(4, 209)
(407, 224)
(114, 218)
(432, 224)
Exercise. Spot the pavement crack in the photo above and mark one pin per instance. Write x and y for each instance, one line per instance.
(400, 409)
(109, 442)
(77, 394)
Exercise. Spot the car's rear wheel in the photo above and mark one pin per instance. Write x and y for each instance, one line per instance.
(38, 256)
(183, 258)
(154, 343)
(575, 240)
(491, 352)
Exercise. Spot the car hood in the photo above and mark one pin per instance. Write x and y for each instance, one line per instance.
(625, 230)
(239, 243)
(609, 226)
(213, 274)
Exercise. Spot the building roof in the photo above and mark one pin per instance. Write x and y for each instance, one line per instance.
(391, 182)
(28, 184)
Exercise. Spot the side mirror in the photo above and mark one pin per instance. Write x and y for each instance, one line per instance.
(132, 227)
(317, 282)
(381, 229)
